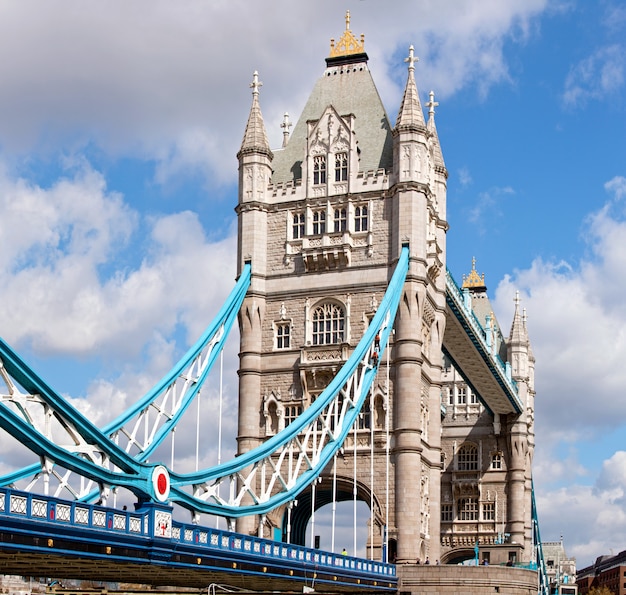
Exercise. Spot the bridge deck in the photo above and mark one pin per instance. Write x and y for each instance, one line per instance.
(465, 344)
(48, 537)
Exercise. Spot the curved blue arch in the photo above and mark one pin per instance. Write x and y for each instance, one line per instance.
(382, 323)
(130, 464)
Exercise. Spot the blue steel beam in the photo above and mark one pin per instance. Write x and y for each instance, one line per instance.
(281, 467)
(178, 389)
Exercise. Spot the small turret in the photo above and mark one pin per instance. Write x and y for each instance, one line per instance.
(410, 115)
(518, 344)
(255, 137)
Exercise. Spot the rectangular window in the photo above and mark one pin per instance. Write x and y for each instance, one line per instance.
(446, 513)
(341, 167)
(360, 219)
(297, 230)
(364, 417)
(496, 461)
(462, 395)
(473, 397)
(291, 413)
(283, 336)
(451, 396)
(340, 220)
(468, 509)
(319, 223)
(319, 169)
(489, 511)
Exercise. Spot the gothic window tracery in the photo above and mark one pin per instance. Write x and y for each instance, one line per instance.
(340, 220)
(341, 167)
(319, 169)
(328, 324)
(319, 223)
(467, 458)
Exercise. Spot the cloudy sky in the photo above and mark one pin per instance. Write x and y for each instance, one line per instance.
(119, 126)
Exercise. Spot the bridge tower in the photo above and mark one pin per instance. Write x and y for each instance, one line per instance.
(322, 220)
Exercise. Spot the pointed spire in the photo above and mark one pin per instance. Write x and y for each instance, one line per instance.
(437, 154)
(255, 137)
(410, 113)
(518, 327)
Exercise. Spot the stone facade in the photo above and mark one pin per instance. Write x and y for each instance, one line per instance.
(323, 220)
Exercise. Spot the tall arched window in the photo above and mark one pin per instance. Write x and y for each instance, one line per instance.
(467, 458)
(341, 220)
(319, 169)
(329, 321)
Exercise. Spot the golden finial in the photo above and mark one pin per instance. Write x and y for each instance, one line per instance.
(348, 44)
(473, 280)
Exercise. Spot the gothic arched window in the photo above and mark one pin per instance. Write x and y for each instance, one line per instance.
(340, 220)
(319, 169)
(329, 322)
(341, 167)
(467, 458)
(319, 223)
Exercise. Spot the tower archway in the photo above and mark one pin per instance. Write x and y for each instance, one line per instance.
(344, 492)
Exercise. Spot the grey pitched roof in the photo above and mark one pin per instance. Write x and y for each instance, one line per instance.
(351, 90)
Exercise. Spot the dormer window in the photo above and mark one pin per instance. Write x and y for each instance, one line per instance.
(319, 223)
(319, 169)
(360, 218)
(341, 167)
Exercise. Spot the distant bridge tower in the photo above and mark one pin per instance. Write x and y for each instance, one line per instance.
(323, 220)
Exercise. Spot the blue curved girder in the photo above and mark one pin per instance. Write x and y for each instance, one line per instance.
(544, 581)
(357, 375)
(193, 367)
(133, 473)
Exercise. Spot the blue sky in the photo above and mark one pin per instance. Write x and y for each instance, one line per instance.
(119, 126)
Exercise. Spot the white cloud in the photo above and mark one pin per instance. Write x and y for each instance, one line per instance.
(577, 326)
(600, 74)
(169, 82)
(58, 297)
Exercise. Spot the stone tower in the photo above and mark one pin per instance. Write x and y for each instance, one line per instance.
(323, 220)
(486, 481)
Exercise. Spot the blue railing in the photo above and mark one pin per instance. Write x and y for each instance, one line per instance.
(36, 509)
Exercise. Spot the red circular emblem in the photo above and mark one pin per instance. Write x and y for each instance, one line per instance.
(161, 483)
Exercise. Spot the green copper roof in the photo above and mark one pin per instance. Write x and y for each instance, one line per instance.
(351, 90)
